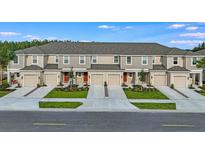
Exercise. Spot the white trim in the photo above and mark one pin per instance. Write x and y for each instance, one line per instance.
(146, 60)
(92, 59)
(114, 59)
(126, 60)
(36, 59)
(16, 63)
(192, 61)
(79, 60)
(64, 60)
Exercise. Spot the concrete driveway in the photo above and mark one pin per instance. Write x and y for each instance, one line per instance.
(20, 92)
(96, 91)
(190, 93)
(41, 92)
(170, 93)
(116, 92)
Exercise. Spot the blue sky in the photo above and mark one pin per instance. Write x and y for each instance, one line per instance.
(182, 35)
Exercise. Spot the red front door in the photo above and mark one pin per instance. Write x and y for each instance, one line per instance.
(85, 77)
(125, 77)
(66, 78)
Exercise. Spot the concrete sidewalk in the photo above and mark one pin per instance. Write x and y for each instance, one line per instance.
(20, 92)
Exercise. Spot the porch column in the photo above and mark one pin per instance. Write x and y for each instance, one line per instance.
(136, 78)
(201, 79)
(193, 78)
(9, 78)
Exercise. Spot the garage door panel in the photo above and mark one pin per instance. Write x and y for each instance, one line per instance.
(97, 79)
(113, 79)
(159, 80)
(30, 80)
(180, 81)
(51, 79)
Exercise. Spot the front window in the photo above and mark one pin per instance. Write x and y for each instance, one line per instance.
(82, 59)
(94, 59)
(79, 74)
(16, 60)
(144, 60)
(153, 60)
(35, 59)
(56, 59)
(129, 60)
(175, 60)
(116, 59)
(194, 61)
(66, 60)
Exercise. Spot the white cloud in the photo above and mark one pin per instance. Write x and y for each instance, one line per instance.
(192, 28)
(106, 27)
(187, 42)
(9, 34)
(176, 26)
(196, 35)
(128, 27)
(32, 37)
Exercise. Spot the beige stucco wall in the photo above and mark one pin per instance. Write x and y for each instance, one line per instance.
(136, 63)
(170, 62)
(157, 60)
(40, 61)
(74, 62)
(20, 65)
(189, 65)
(105, 59)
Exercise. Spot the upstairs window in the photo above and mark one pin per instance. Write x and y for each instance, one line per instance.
(129, 60)
(175, 60)
(56, 59)
(116, 59)
(35, 60)
(194, 60)
(94, 59)
(144, 60)
(82, 60)
(66, 59)
(16, 60)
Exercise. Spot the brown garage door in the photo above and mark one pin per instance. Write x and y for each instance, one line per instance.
(51, 79)
(30, 80)
(96, 79)
(180, 81)
(113, 79)
(159, 80)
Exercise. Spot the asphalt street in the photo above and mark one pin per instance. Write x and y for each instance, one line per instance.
(18, 121)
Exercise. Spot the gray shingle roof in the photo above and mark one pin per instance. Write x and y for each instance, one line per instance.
(177, 68)
(32, 67)
(105, 67)
(51, 66)
(102, 48)
(202, 52)
(158, 67)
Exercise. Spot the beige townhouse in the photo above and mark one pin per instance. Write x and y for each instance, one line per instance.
(95, 63)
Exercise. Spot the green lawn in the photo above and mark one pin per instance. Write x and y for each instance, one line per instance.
(67, 94)
(201, 92)
(144, 94)
(72, 105)
(156, 106)
(3, 93)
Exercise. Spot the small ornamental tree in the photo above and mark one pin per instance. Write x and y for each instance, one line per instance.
(142, 77)
(201, 63)
(71, 76)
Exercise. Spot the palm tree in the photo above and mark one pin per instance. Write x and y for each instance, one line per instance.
(5, 57)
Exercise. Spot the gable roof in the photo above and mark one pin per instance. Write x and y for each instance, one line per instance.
(51, 66)
(177, 68)
(32, 67)
(102, 48)
(202, 52)
(158, 67)
(105, 67)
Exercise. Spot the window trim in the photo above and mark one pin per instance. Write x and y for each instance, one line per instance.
(17, 60)
(177, 61)
(56, 57)
(126, 60)
(92, 59)
(114, 59)
(192, 61)
(84, 60)
(36, 60)
(146, 60)
(64, 60)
